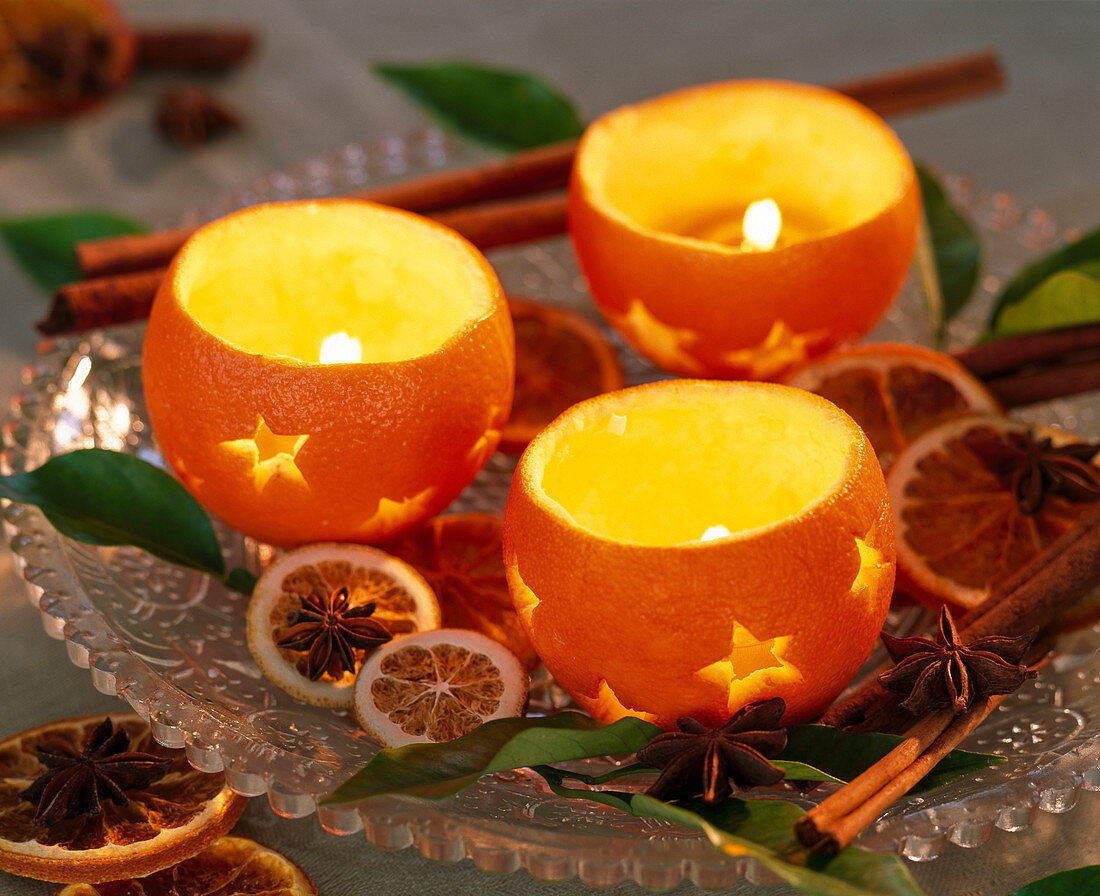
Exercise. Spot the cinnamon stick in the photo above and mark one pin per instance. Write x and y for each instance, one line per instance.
(546, 168)
(126, 297)
(991, 359)
(193, 49)
(1059, 380)
(840, 818)
(1034, 597)
(936, 83)
(130, 252)
(102, 302)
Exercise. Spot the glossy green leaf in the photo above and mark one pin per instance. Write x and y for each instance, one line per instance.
(434, 771)
(845, 754)
(1069, 298)
(763, 830)
(109, 498)
(1075, 882)
(955, 247)
(505, 109)
(242, 580)
(1071, 255)
(43, 245)
(801, 771)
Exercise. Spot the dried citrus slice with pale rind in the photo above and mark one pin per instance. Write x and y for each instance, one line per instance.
(895, 391)
(462, 557)
(161, 824)
(436, 686)
(960, 529)
(404, 603)
(229, 865)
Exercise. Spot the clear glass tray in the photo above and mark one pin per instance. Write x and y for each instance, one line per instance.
(171, 643)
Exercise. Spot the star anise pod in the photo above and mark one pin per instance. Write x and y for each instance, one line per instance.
(68, 61)
(329, 630)
(191, 115)
(1034, 469)
(697, 760)
(77, 783)
(947, 673)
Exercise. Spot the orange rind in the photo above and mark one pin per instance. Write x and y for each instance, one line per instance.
(684, 548)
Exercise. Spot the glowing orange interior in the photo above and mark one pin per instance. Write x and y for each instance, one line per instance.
(668, 469)
(689, 164)
(281, 282)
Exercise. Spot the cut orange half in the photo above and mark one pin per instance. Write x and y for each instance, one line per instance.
(403, 603)
(436, 686)
(161, 824)
(896, 391)
(230, 866)
(560, 359)
(461, 555)
(960, 530)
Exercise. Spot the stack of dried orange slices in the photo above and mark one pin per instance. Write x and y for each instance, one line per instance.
(975, 494)
(91, 801)
(351, 627)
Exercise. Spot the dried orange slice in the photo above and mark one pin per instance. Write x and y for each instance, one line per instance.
(461, 555)
(230, 866)
(961, 530)
(436, 686)
(58, 57)
(560, 359)
(895, 391)
(311, 670)
(161, 824)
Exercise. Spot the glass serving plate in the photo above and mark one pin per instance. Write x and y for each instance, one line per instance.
(171, 642)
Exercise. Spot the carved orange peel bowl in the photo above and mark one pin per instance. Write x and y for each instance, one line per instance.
(329, 370)
(726, 543)
(656, 202)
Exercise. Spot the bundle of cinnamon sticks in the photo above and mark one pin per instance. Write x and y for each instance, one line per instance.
(513, 200)
(1036, 597)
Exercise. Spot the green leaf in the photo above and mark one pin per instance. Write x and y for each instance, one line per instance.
(801, 771)
(109, 498)
(1084, 250)
(1069, 298)
(763, 830)
(242, 580)
(955, 247)
(505, 109)
(1074, 882)
(434, 771)
(43, 245)
(846, 754)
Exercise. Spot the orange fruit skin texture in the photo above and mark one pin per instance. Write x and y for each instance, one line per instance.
(414, 431)
(722, 302)
(18, 105)
(645, 619)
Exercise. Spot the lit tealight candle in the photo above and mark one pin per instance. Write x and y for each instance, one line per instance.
(760, 227)
(674, 213)
(340, 348)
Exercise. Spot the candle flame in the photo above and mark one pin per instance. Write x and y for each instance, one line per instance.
(340, 348)
(761, 226)
(714, 532)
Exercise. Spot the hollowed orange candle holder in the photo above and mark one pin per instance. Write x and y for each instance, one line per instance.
(331, 370)
(657, 216)
(687, 547)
